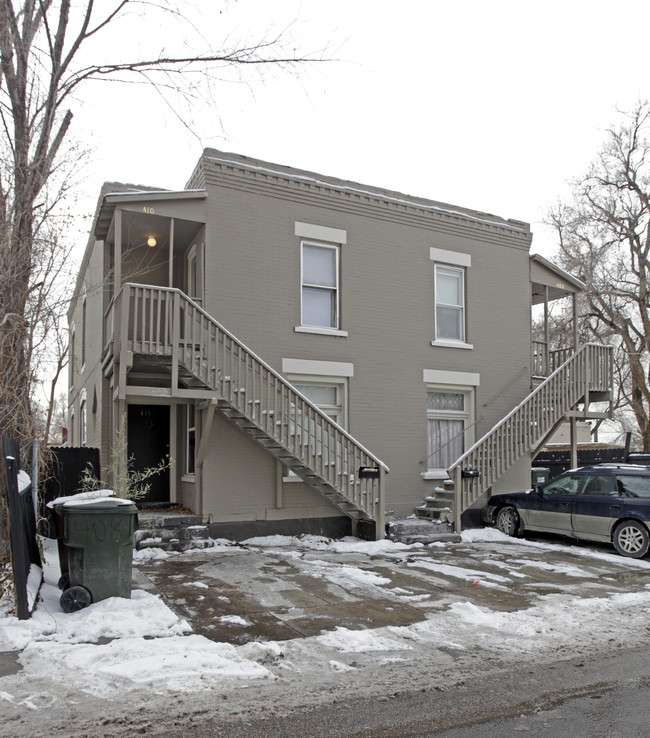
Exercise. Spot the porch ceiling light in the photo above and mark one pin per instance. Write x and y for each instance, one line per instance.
(151, 241)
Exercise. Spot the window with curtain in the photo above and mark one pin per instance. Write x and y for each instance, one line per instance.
(447, 420)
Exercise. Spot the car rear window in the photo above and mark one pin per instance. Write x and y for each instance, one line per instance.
(634, 486)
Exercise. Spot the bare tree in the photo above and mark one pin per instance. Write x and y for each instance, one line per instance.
(49, 50)
(604, 238)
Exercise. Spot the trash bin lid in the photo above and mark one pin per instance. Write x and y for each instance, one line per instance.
(96, 494)
(101, 504)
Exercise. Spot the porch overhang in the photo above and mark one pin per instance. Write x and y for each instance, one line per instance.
(550, 282)
(162, 202)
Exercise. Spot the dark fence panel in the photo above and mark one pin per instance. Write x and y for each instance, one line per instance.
(63, 477)
(560, 461)
(26, 559)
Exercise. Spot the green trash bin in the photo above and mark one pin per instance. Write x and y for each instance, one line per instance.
(98, 536)
(540, 475)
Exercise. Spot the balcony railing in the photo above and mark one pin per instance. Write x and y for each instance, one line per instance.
(545, 361)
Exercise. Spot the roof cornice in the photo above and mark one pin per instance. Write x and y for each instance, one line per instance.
(358, 194)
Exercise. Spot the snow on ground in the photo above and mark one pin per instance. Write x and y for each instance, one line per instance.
(121, 644)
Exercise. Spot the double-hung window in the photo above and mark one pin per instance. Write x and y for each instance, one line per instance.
(330, 399)
(450, 303)
(324, 384)
(82, 422)
(326, 397)
(320, 285)
(450, 273)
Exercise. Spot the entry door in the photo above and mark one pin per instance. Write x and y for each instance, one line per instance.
(148, 444)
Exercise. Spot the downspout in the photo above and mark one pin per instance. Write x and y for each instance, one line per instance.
(171, 252)
(547, 353)
(573, 420)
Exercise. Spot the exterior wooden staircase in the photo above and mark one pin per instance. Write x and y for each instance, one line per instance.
(207, 362)
(585, 377)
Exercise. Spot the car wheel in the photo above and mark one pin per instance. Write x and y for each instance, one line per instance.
(631, 539)
(508, 520)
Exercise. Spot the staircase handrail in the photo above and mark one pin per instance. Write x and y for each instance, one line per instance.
(164, 322)
(272, 371)
(588, 351)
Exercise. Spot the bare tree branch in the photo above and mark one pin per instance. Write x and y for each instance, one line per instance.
(604, 236)
(50, 49)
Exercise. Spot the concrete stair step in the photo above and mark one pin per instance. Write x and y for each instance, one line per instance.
(415, 530)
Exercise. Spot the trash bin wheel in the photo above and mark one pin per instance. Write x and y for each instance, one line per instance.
(75, 598)
(64, 581)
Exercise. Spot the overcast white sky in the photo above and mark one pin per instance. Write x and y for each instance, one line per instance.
(489, 105)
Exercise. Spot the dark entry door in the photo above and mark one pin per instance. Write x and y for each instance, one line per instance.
(148, 434)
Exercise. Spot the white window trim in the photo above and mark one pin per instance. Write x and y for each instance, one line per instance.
(320, 233)
(83, 423)
(188, 476)
(455, 258)
(453, 344)
(84, 331)
(309, 367)
(440, 376)
(72, 348)
(320, 331)
(339, 375)
(191, 264)
(337, 289)
(463, 277)
(323, 236)
(465, 382)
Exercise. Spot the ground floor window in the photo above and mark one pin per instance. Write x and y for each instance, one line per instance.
(448, 420)
(329, 395)
(190, 446)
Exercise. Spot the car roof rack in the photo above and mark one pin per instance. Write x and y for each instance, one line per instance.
(621, 465)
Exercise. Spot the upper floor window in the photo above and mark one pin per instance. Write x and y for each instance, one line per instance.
(72, 365)
(82, 423)
(320, 285)
(83, 332)
(450, 303)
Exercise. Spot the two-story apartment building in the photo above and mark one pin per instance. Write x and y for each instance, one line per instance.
(313, 352)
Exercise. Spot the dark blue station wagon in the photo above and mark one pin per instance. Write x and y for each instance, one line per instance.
(607, 503)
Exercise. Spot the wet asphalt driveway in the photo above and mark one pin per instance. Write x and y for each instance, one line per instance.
(295, 588)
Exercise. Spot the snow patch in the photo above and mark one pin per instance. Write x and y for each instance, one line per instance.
(351, 641)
